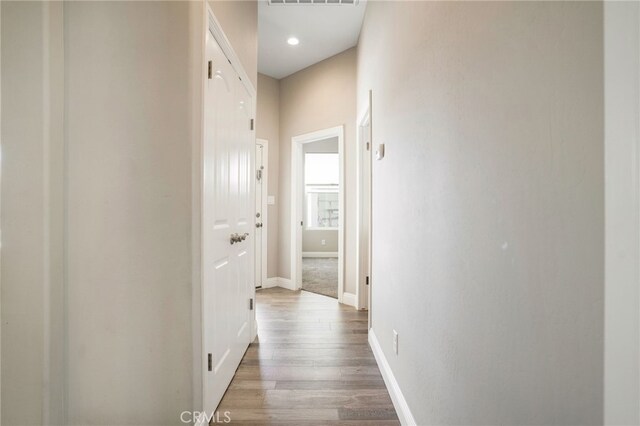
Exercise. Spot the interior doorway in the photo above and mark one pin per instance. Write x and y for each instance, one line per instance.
(317, 202)
(262, 159)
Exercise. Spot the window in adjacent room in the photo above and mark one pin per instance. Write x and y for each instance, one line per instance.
(321, 178)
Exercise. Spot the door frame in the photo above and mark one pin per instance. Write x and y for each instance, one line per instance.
(264, 217)
(297, 197)
(364, 155)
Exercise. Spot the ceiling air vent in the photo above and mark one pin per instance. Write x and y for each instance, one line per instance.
(291, 2)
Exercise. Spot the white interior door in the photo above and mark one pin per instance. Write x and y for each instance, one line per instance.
(261, 195)
(227, 224)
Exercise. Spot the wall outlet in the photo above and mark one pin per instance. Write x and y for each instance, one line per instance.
(323, 242)
(395, 342)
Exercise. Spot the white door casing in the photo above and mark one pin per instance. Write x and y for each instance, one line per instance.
(227, 209)
(261, 177)
(364, 164)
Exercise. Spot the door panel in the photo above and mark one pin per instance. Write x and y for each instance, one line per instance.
(226, 208)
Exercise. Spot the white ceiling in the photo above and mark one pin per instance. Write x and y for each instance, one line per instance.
(323, 30)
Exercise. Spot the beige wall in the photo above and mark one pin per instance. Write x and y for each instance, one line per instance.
(23, 214)
(118, 219)
(489, 207)
(239, 20)
(315, 98)
(129, 212)
(268, 127)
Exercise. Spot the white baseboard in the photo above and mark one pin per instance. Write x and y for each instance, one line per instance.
(278, 282)
(399, 403)
(270, 282)
(286, 283)
(349, 299)
(319, 254)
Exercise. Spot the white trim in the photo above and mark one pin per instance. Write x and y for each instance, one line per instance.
(197, 57)
(218, 34)
(622, 212)
(296, 203)
(270, 282)
(361, 274)
(320, 254)
(399, 403)
(285, 283)
(349, 299)
(265, 207)
(201, 421)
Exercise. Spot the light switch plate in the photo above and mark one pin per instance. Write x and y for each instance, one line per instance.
(271, 200)
(380, 152)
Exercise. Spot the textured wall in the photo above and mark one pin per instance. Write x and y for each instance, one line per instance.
(489, 207)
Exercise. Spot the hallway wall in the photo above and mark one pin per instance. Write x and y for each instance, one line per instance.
(315, 98)
(26, 218)
(129, 212)
(268, 127)
(99, 312)
(488, 207)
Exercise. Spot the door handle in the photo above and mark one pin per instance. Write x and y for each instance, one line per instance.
(236, 238)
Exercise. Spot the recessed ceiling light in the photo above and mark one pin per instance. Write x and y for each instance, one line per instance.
(293, 41)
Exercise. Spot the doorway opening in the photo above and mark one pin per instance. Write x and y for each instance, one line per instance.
(317, 203)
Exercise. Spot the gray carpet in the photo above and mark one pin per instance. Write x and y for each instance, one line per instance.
(320, 275)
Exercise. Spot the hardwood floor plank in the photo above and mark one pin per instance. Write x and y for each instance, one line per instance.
(383, 413)
(311, 365)
(253, 384)
(278, 415)
(330, 384)
(316, 398)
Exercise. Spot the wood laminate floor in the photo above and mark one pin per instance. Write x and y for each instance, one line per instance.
(311, 365)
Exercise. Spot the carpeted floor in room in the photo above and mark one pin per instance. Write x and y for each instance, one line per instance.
(320, 275)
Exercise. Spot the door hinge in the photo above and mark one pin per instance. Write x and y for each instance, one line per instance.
(258, 174)
(210, 71)
(301, 223)
(368, 146)
(209, 362)
(251, 304)
(366, 280)
(251, 124)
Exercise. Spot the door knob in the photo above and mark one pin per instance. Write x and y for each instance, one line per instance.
(259, 225)
(236, 238)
